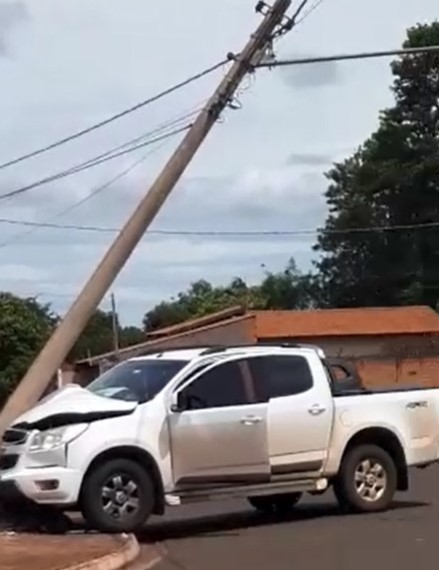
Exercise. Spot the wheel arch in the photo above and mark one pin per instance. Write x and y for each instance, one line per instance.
(390, 442)
(141, 457)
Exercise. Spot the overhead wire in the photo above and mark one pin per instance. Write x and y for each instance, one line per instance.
(350, 56)
(157, 130)
(309, 12)
(100, 188)
(115, 117)
(232, 233)
(91, 163)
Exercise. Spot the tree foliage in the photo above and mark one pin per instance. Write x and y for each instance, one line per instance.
(25, 325)
(288, 289)
(392, 180)
(98, 337)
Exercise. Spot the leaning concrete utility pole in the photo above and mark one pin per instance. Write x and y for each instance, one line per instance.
(64, 337)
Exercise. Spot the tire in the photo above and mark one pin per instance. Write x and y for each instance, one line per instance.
(275, 503)
(367, 481)
(117, 496)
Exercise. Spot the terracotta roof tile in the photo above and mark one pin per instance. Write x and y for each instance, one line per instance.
(346, 322)
(193, 324)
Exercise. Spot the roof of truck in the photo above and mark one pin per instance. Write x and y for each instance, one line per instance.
(192, 353)
(182, 354)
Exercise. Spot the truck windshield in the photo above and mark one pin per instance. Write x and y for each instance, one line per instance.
(136, 381)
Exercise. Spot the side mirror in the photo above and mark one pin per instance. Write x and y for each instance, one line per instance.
(177, 404)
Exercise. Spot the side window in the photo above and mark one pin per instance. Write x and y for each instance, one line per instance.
(278, 376)
(223, 386)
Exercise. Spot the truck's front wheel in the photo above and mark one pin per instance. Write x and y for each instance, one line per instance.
(367, 480)
(117, 496)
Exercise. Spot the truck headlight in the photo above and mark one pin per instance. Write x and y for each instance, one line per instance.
(56, 437)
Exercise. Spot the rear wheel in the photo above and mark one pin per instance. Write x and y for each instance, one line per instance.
(275, 503)
(117, 496)
(367, 481)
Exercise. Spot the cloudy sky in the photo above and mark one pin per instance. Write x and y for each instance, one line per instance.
(67, 64)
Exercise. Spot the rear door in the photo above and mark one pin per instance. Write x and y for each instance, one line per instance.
(220, 436)
(299, 413)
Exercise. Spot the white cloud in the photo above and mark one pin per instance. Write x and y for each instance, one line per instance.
(11, 15)
(15, 273)
(76, 62)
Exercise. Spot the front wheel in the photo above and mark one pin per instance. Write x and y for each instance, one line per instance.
(367, 480)
(275, 503)
(117, 496)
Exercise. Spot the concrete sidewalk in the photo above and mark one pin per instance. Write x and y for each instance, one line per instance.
(45, 552)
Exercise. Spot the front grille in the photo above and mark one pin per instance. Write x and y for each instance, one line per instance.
(15, 436)
(8, 461)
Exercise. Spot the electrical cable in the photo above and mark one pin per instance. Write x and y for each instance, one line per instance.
(115, 117)
(349, 56)
(87, 198)
(297, 13)
(91, 163)
(155, 131)
(309, 12)
(221, 233)
(172, 122)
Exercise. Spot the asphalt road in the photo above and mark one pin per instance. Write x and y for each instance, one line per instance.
(231, 536)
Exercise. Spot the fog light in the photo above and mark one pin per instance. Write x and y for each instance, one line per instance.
(48, 485)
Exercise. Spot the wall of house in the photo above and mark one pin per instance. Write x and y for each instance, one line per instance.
(395, 346)
(384, 361)
(416, 372)
(238, 332)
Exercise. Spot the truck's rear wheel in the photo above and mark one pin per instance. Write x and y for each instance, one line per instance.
(275, 503)
(117, 496)
(367, 481)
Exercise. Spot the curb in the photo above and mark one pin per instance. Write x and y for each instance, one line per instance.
(126, 554)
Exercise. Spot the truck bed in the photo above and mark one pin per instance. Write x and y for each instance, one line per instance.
(363, 391)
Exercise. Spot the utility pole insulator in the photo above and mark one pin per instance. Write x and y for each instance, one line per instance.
(65, 335)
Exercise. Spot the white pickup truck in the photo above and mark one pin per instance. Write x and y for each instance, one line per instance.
(261, 422)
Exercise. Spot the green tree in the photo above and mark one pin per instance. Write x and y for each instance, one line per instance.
(128, 336)
(201, 299)
(288, 289)
(25, 325)
(98, 338)
(392, 180)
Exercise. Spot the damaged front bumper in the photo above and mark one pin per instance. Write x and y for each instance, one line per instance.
(37, 476)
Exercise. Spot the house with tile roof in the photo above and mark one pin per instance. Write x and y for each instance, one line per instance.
(386, 345)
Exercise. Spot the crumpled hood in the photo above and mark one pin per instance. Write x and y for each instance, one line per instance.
(71, 405)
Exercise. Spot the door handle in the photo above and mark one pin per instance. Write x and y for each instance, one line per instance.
(251, 420)
(316, 410)
(414, 405)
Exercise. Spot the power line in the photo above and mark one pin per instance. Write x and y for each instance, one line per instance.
(91, 164)
(349, 56)
(94, 192)
(115, 117)
(309, 12)
(225, 233)
(79, 203)
(299, 10)
(130, 143)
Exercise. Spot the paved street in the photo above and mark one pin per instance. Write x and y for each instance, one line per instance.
(233, 536)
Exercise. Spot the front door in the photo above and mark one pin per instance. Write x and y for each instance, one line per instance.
(219, 436)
